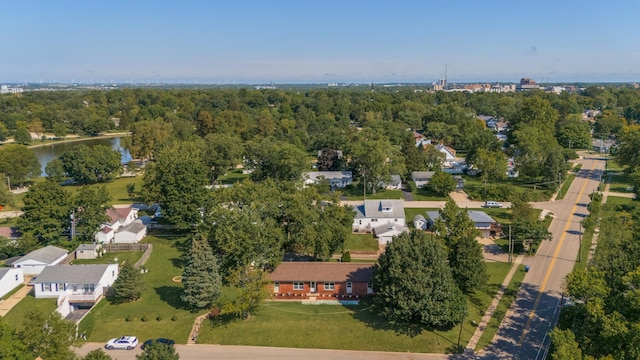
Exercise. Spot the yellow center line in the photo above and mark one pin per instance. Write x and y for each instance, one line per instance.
(553, 261)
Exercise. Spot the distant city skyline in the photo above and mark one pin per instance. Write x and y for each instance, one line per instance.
(288, 41)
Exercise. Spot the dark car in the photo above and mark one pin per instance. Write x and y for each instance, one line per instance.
(169, 342)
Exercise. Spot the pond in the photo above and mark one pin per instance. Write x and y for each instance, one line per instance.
(51, 151)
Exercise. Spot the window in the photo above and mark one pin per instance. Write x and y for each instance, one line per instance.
(369, 287)
(46, 287)
(374, 220)
(60, 286)
(349, 287)
(329, 285)
(276, 287)
(16, 277)
(395, 220)
(298, 285)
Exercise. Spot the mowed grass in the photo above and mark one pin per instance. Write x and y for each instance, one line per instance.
(292, 324)
(565, 186)
(361, 243)
(620, 182)
(16, 316)
(507, 299)
(411, 213)
(233, 176)
(356, 193)
(160, 299)
(108, 258)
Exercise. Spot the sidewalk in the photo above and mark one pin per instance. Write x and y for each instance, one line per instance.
(470, 348)
(13, 300)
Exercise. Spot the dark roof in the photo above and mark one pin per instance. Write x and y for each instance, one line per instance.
(322, 271)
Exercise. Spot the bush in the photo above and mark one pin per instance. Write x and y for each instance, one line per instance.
(346, 256)
(159, 317)
(129, 318)
(144, 318)
(174, 318)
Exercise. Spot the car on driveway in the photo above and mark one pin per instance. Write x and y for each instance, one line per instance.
(492, 204)
(169, 342)
(123, 343)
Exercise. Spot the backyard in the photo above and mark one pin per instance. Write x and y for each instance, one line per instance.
(292, 324)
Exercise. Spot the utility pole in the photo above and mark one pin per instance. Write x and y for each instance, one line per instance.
(364, 186)
(460, 333)
(510, 246)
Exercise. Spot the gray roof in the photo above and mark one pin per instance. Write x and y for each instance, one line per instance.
(418, 217)
(3, 272)
(374, 209)
(72, 274)
(480, 217)
(88, 247)
(383, 229)
(47, 254)
(422, 174)
(329, 175)
(135, 227)
(476, 216)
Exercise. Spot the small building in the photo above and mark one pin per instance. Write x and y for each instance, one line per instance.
(385, 232)
(88, 251)
(422, 178)
(321, 280)
(131, 233)
(374, 213)
(123, 226)
(337, 179)
(394, 183)
(10, 278)
(419, 222)
(34, 262)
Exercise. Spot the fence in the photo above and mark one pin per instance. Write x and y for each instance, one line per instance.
(125, 247)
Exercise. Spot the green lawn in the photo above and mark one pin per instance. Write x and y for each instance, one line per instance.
(565, 186)
(507, 299)
(426, 194)
(410, 213)
(108, 258)
(356, 193)
(233, 176)
(292, 324)
(8, 295)
(505, 190)
(361, 243)
(612, 165)
(620, 182)
(160, 299)
(117, 189)
(16, 316)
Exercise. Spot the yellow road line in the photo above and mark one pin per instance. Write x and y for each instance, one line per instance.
(553, 261)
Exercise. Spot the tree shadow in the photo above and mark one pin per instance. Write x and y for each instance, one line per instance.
(171, 296)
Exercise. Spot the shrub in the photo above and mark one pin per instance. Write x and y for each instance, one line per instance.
(144, 317)
(159, 317)
(129, 318)
(174, 318)
(346, 256)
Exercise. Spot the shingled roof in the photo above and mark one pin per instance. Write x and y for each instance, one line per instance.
(322, 271)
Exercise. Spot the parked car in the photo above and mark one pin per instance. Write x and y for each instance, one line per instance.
(123, 342)
(159, 340)
(492, 204)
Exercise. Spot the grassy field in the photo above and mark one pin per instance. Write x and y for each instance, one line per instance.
(356, 193)
(620, 182)
(108, 258)
(507, 299)
(292, 324)
(233, 177)
(16, 316)
(160, 302)
(361, 243)
(425, 194)
(565, 186)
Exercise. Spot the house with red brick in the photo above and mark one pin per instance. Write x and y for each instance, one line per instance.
(321, 280)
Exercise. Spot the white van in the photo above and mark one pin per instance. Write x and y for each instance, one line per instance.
(492, 204)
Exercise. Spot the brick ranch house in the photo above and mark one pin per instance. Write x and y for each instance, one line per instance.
(321, 280)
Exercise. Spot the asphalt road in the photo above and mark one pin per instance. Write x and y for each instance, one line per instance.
(523, 333)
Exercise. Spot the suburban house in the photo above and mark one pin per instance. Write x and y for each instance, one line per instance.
(75, 286)
(394, 183)
(374, 213)
(123, 227)
(481, 220)
(321, 280)
(387, 231)
(88, 251)
(10, 278)
(419, 222)
(449, 154)
(34, 262)
(511, 168)
(422, 178)
(10, 232)
(337, 179)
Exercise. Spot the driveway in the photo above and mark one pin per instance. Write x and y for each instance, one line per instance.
(14, 299)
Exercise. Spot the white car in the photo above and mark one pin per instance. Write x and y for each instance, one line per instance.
(123, 342)
(492, 204)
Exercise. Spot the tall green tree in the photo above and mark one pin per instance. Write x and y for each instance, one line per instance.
(158, 351)
(129, 285)
(55, 171)
(574, 133)
(22, 136)
(90, 206)
(224, 152)
(97, 354)
(276, 160)
(442, 183)
(146, 137)
(177, 181)
(47, 209)
(6, 197)
(11, 346)
(564, 345)
(19, 163)
(526, 229)
(200, 277)
(251, 285)
(49, 336)
(492, 164)
(414, 284)
(629, 143)
(88, 165)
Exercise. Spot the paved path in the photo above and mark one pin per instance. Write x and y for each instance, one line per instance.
(14, 299)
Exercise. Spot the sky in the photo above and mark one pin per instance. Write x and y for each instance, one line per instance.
(318, 41)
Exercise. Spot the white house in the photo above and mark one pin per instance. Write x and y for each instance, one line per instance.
(10, 278)
(121, 220)
(419, 222)
(449, 154)
(337, 179)
(88, 251)
(484, 223)
(422, 178)
(374, 213)
(132, 233)
(387, 231)
(394, 183)
(75, 285)
(34, 262)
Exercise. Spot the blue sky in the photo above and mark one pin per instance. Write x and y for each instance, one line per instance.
(302, 41)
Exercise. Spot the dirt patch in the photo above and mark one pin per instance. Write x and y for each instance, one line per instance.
(177, 279)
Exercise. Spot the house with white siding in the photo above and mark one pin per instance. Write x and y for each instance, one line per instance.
(374, 213)
(123, 227)
(34, 262)
(10, 278)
